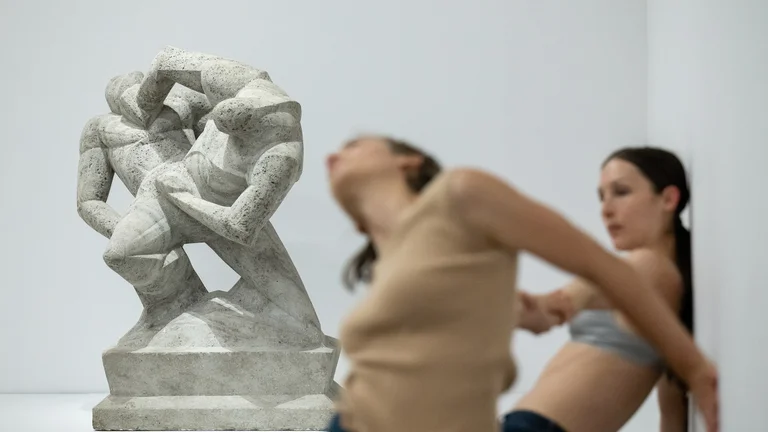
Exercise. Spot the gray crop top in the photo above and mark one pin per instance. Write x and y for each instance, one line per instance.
(598, 327)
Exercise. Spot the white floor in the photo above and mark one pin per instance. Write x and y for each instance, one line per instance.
(72, 413)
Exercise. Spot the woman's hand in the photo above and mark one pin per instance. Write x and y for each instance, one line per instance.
(703, 386)
(560, 305)
(536, 314)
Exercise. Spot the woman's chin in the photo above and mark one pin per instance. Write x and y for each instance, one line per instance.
(620, 245)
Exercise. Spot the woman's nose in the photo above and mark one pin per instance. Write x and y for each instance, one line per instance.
(331, 160)
(607, 208)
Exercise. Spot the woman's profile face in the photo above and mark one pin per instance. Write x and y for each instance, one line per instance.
(359, 161)
(634, 214)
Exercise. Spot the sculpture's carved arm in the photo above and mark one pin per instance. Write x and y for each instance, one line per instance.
(191, 107)
(170, 66)
(94, 181)
(269, 181)
(216, 77)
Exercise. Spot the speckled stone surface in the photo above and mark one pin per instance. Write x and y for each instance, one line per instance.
(209, 147)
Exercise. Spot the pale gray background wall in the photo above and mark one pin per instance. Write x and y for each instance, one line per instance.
(537, 92)
(708, 95)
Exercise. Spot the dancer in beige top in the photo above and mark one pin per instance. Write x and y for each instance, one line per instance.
(429, 347)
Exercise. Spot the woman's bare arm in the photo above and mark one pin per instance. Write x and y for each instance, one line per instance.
(541, 312)
(673, 406)
(568, 301)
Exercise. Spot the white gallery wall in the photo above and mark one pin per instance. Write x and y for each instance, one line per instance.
(708, 94)
(537, 92)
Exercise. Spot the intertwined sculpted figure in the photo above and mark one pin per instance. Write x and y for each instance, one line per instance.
(209, 147)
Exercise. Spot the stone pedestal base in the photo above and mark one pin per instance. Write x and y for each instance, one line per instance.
(215, 388)
(214, 413)
(219, 372)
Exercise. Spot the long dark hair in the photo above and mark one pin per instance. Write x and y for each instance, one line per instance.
(360, 267)
(664, 169)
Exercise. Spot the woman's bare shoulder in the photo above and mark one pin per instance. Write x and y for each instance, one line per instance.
(660, 269)
(654, 263)
(469, 187)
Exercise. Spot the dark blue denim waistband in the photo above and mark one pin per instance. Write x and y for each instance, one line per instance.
(335, 425)
(516, 421)
(528, 421)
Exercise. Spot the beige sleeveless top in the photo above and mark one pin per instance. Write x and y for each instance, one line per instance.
(430, 345)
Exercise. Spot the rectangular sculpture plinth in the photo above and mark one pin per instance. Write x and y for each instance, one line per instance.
(213, 413)
(197, 372)
(173, 389)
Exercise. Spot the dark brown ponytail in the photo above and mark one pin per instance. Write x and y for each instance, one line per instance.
(360, 267)
(683, 260)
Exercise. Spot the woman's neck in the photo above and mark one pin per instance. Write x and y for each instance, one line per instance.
(381, 209)
(665, 246)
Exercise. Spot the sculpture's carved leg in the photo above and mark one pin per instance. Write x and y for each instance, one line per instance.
(141, 246)
(159, 310)
(147, 253)
(268, 268)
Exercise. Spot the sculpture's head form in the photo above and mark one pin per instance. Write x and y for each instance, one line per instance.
(259, 107)
(365, 166)
(119, 84)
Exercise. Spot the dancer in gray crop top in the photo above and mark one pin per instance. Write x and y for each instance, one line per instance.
(599, 327)
(598, 380)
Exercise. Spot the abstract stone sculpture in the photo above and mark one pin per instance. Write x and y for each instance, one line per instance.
(209, 147)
